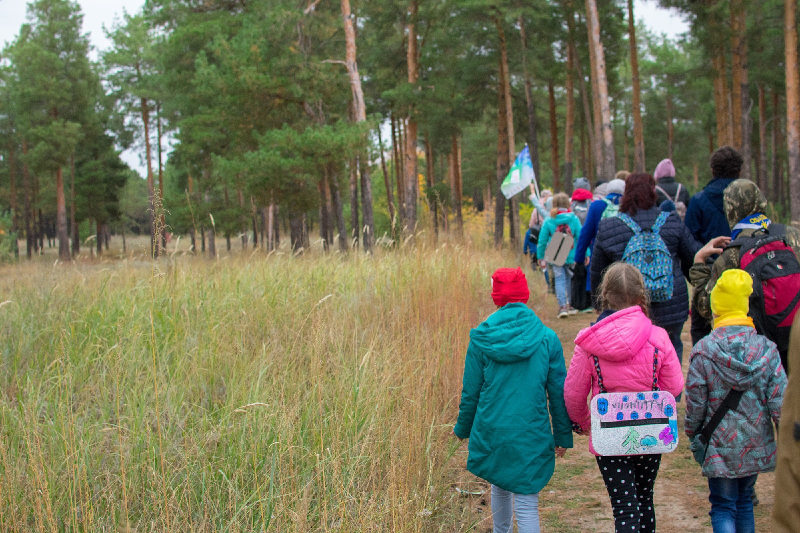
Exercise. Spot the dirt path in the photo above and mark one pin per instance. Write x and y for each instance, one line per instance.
(576, 498)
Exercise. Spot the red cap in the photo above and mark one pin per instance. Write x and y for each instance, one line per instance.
(579, 195)
(509, 285)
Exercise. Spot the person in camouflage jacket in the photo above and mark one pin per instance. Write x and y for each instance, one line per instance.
(742, 199)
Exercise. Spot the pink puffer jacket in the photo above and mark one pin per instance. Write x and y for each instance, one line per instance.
(624, 343)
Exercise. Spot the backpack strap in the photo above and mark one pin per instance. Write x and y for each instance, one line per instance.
(600, 376)
(662, 218)
(635, 228)
(678, 193)
(731, 401)
(655, 365)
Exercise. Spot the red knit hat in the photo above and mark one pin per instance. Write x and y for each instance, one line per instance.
(509, 285)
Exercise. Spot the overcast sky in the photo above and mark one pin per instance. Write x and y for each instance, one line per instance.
(97, 13)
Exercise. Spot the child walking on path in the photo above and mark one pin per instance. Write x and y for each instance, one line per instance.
(513, 377)
(632, 353)
(734, 357)
(564, 221)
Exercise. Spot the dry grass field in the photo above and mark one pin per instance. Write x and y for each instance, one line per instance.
(267, 393)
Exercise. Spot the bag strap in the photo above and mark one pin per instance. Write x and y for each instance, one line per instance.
(678, 193)
(635, 228)
(731, 401)
(662, 218)
(600, 376)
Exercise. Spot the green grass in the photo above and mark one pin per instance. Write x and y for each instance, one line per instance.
(275, 393)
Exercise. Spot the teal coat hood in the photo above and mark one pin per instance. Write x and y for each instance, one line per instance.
(512, 402)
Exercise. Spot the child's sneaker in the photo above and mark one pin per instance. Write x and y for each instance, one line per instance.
(571, 310)
(563, 312)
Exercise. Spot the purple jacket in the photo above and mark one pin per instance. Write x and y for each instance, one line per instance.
(624, 343)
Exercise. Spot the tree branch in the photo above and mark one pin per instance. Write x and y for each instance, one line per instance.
(311, 7)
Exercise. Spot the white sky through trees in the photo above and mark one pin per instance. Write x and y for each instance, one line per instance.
(97, 13)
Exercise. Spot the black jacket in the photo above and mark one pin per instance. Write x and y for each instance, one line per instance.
(609, 245)
(670, 186)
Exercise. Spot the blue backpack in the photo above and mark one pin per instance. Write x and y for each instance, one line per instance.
(648, 252)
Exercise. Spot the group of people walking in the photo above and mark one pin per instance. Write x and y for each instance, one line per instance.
(639, 238)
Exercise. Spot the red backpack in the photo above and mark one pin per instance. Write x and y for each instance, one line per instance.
(775, 270)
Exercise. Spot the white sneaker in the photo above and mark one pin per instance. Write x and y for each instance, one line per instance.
(563, 312)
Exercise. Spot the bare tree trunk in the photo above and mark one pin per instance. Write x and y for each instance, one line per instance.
(98, 241)
(762, 138)
(324, 213)
(433, 200)
(554, 138)
(150, 185)
(638, 127)
(503, 162)
(569, 126)
(597, 121)
(28, 213)
(721, 99)
(356, 229)
(457, 185)
(76, 238)
(738, 74)
(61, 218)
(386, 180)
(771, 191)
(533, 140)
(397, 166)
(792, 104)
(670, 127)
(360, 113)
(609, 163)
(587, 124)
(162, 226)
(411, 183)
(338, 211)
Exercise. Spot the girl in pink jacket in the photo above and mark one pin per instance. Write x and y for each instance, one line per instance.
(624, 341)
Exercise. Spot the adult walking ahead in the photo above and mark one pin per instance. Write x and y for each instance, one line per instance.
(613, 234)
(705, 215)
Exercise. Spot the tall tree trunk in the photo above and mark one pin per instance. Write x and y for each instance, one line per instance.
(762, 138)
(554, 138)
(457, 185)
(366, 203)
(569, 126)
(533, 141)
(597, 120)
(411, 183)
(738, 76)
(638, 127)
(587, 124)
(670, 127)
(356, 232)
(386, 180)
(721, 99)
(503, 162)
(324, 212)
(150, 185)
(212, 241)
(433, 200)
(76, 239)
(28, 208)
(397, 166)
(505, 140)
(360, 113)
(338, 211)
(792, 104)
(61, 218)
(609, 163)
(162, 226)
(772, 191)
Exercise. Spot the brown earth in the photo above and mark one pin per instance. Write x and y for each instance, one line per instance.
(576, 499)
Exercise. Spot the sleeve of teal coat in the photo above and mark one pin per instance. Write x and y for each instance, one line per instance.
(557, 373)
(544, 238)
(470, 393)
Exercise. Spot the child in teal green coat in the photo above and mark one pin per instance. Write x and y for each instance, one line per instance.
(512, 404)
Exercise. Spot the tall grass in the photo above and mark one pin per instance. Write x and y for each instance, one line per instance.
(265, 394)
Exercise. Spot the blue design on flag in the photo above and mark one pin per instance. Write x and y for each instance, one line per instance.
(520, 176)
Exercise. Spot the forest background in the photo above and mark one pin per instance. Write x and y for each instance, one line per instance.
(346, 124)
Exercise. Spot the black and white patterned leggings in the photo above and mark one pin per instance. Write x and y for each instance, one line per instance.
(629, 481)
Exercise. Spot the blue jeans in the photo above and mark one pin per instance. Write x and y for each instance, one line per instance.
(563, 277)
(732, 504)
(506, 504)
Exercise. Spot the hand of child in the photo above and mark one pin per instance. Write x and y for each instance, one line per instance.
(712, 247)
(560, 451)
(542, 263)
